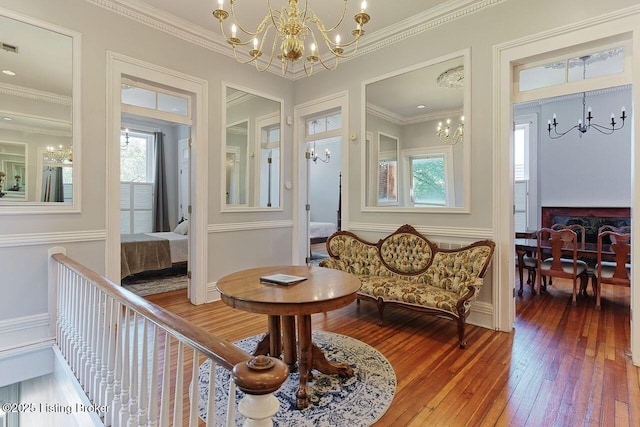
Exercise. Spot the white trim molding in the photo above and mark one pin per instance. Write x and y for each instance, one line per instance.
(246, 226)
(51, 238)
(24, 332)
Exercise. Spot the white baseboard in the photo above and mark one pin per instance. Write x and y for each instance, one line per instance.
(24, 331)
(481, 315)
(212, 292)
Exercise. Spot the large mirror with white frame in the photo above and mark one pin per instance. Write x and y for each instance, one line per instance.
(38, 104)
(416, 149)
(252, 150)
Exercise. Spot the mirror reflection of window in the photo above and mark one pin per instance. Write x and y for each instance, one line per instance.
(430, 176)
(408, 105)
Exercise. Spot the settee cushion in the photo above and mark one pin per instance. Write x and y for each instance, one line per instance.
(402, 290)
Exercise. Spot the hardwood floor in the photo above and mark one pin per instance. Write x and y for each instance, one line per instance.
(561, 366)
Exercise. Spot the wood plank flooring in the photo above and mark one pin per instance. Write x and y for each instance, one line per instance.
(561, 366)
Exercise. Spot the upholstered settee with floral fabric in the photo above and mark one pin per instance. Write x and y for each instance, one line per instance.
(407, 269)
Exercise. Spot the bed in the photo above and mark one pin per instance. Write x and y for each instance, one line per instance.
(153, 251)
(320, 231)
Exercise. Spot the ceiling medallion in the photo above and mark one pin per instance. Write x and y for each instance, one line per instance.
(453, 78)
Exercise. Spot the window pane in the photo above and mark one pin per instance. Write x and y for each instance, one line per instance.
(139, 97)
(597, 64)
(334, 122)
(173, 104)
(518, 154)
(316, 126)
(133, 159)
(428, 181)
(542, 76)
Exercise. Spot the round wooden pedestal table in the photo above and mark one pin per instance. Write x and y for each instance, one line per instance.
(289, 309)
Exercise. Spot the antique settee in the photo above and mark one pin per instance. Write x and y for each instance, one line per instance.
(408, 270)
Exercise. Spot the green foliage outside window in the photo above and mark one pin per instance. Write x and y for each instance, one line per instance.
(428, 183)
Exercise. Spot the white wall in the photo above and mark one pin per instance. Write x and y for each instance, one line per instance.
(592, 170)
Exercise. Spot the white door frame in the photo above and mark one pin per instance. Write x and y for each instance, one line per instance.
(117, 66)
(300, 112)
(506, 56)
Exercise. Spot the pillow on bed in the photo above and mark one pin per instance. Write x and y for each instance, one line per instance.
(182, 228)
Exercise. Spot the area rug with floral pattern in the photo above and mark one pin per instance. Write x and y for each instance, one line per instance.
(333, 401)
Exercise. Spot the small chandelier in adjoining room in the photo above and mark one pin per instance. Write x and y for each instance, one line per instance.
(313, 155)
(584, 124)
(288, 29)
(448, 137)
(125, 143)
(61, 154)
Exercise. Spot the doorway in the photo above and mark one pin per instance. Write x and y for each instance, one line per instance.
(187, 95)
(614, 28)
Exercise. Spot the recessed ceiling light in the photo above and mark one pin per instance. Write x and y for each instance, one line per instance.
(421, 106)
(8, 72)
(7, 119)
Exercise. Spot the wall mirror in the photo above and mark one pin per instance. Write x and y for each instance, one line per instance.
(252, 149)
(38, 103)
(416, 152)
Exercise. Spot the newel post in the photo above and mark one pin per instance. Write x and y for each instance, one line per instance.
(259, 378)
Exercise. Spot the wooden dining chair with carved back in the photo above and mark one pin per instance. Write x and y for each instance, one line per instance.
(617, 272)
(558, 242)
(529, 262)
(581, 234)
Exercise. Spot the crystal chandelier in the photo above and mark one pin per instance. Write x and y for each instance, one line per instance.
(448, 137)
(584, 124)
(61, 154)
(283, 32)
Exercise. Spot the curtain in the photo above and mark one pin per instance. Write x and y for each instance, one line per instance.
(161, 206)
(52, 185)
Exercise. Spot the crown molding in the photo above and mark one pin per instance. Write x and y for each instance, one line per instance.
(178, 27)
(25, 92)
(396, 119)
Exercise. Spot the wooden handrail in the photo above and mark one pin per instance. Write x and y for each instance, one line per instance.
(219, 350)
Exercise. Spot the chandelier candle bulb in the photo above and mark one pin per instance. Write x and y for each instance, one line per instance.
(286, 29)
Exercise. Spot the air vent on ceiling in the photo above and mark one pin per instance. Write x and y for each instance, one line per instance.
(9, 47)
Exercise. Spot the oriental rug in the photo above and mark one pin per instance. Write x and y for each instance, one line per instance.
(333, 401)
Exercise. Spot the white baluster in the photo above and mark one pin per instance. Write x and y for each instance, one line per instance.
(166, 375)
(211, 396)
(195, 394)
(231, 403)
(126, 361)
(153, 390)
(178, 394)
(110, 388)
(133, 382)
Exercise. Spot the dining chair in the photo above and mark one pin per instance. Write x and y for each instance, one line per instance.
(529, 262)
(617, 272)
(557, 265)
(581, 232)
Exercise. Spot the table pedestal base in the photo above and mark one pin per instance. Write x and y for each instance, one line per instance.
(310, 357)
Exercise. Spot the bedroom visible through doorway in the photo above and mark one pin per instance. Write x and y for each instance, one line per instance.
(154, 200)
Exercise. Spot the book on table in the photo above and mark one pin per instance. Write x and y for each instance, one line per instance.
(282, 279)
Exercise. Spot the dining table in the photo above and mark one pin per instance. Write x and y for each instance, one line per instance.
(587, 251)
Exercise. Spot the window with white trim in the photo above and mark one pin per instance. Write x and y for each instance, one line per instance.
(431, 181)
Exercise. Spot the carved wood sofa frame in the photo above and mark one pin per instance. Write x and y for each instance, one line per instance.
(407, 269)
